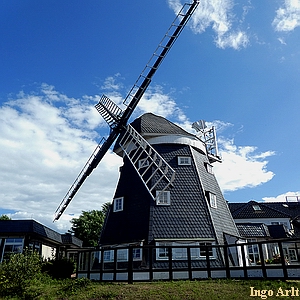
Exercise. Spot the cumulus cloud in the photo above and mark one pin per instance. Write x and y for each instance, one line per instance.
(289, 196)
(46, 137)
(288, 16)
(219, 16)
(241, 166)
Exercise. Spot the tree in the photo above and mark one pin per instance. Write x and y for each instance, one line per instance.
(105, 208)
(5, 218)
(87, 227)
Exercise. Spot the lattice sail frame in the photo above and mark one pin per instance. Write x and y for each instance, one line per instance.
(145, 159)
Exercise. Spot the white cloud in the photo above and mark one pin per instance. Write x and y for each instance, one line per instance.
(44, 147)
(290, 196)
(288, 16)
(218, 14)
(241, 167)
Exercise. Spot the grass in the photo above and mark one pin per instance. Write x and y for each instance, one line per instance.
(83, 289)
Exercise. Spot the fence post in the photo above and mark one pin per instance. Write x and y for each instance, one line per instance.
(284, 269)
(130, 266)
(262, 260)
(89, 265)
(244, 261)
(170, 262)
(189, 263)
(101, 263)
(225, 248)
(150, 255)
(115, 264)
(207, 261)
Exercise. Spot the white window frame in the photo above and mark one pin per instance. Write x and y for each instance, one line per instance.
(181, 253)
(256, 207)
(209, 168)
(137, 254)
(184, 160)
(16, 243)
(122, 255)
(143, 163)
(212, 200)
(292, 254)
(108, 255)
(163, 198)
(162, 253)
(118, 204)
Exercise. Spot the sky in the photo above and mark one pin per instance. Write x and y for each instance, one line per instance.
(236, 65)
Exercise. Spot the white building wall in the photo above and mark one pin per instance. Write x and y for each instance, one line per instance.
(48, 252)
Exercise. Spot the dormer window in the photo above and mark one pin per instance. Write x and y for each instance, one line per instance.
(212, 199)
(184, 160)
(209, 168)
(256, 207)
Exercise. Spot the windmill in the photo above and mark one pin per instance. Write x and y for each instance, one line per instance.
(117, 118)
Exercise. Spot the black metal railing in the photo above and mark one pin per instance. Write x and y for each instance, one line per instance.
(273, 259)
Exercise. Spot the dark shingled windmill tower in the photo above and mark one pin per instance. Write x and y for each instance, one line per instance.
(152, 207)
(167, 193)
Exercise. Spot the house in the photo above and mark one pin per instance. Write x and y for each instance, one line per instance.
(191, 211)
(260, 221)
(16, 235)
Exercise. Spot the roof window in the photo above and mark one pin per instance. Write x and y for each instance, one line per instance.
(256, 207)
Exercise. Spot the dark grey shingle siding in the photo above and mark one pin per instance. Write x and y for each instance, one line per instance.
(221, 216)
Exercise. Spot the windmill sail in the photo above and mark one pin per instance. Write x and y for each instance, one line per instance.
(117, 121)
(144, 158)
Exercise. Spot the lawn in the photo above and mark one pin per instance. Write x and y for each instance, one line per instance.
(206, 289)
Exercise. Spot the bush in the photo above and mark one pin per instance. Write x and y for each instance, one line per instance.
(59, 268)
(17, 272)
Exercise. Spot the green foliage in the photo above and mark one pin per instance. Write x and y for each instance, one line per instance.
(87, 227)
(17, 272)
(5, 218)
(59, 268)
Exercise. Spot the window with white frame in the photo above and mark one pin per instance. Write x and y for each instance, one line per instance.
(163, 198)
(209, 168)
(108, 255)
(162, 252)
(137, 254)
(184, 160)
(118, 204)
(122, 255)
(292, 254)
(256, 207)
(11, 246)
(180, 253)
(212, 198)
(253, 252)
(143, 163)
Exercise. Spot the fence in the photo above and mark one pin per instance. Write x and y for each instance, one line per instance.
(274, 259)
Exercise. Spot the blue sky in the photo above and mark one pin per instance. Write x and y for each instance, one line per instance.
(235, 65)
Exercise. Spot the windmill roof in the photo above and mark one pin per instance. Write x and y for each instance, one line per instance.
(150, 123)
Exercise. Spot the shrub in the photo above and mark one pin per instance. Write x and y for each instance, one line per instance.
(17, 272)
(59, 268)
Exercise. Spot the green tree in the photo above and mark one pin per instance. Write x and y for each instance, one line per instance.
(5, 217)
(87, 227)
(105, 208)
